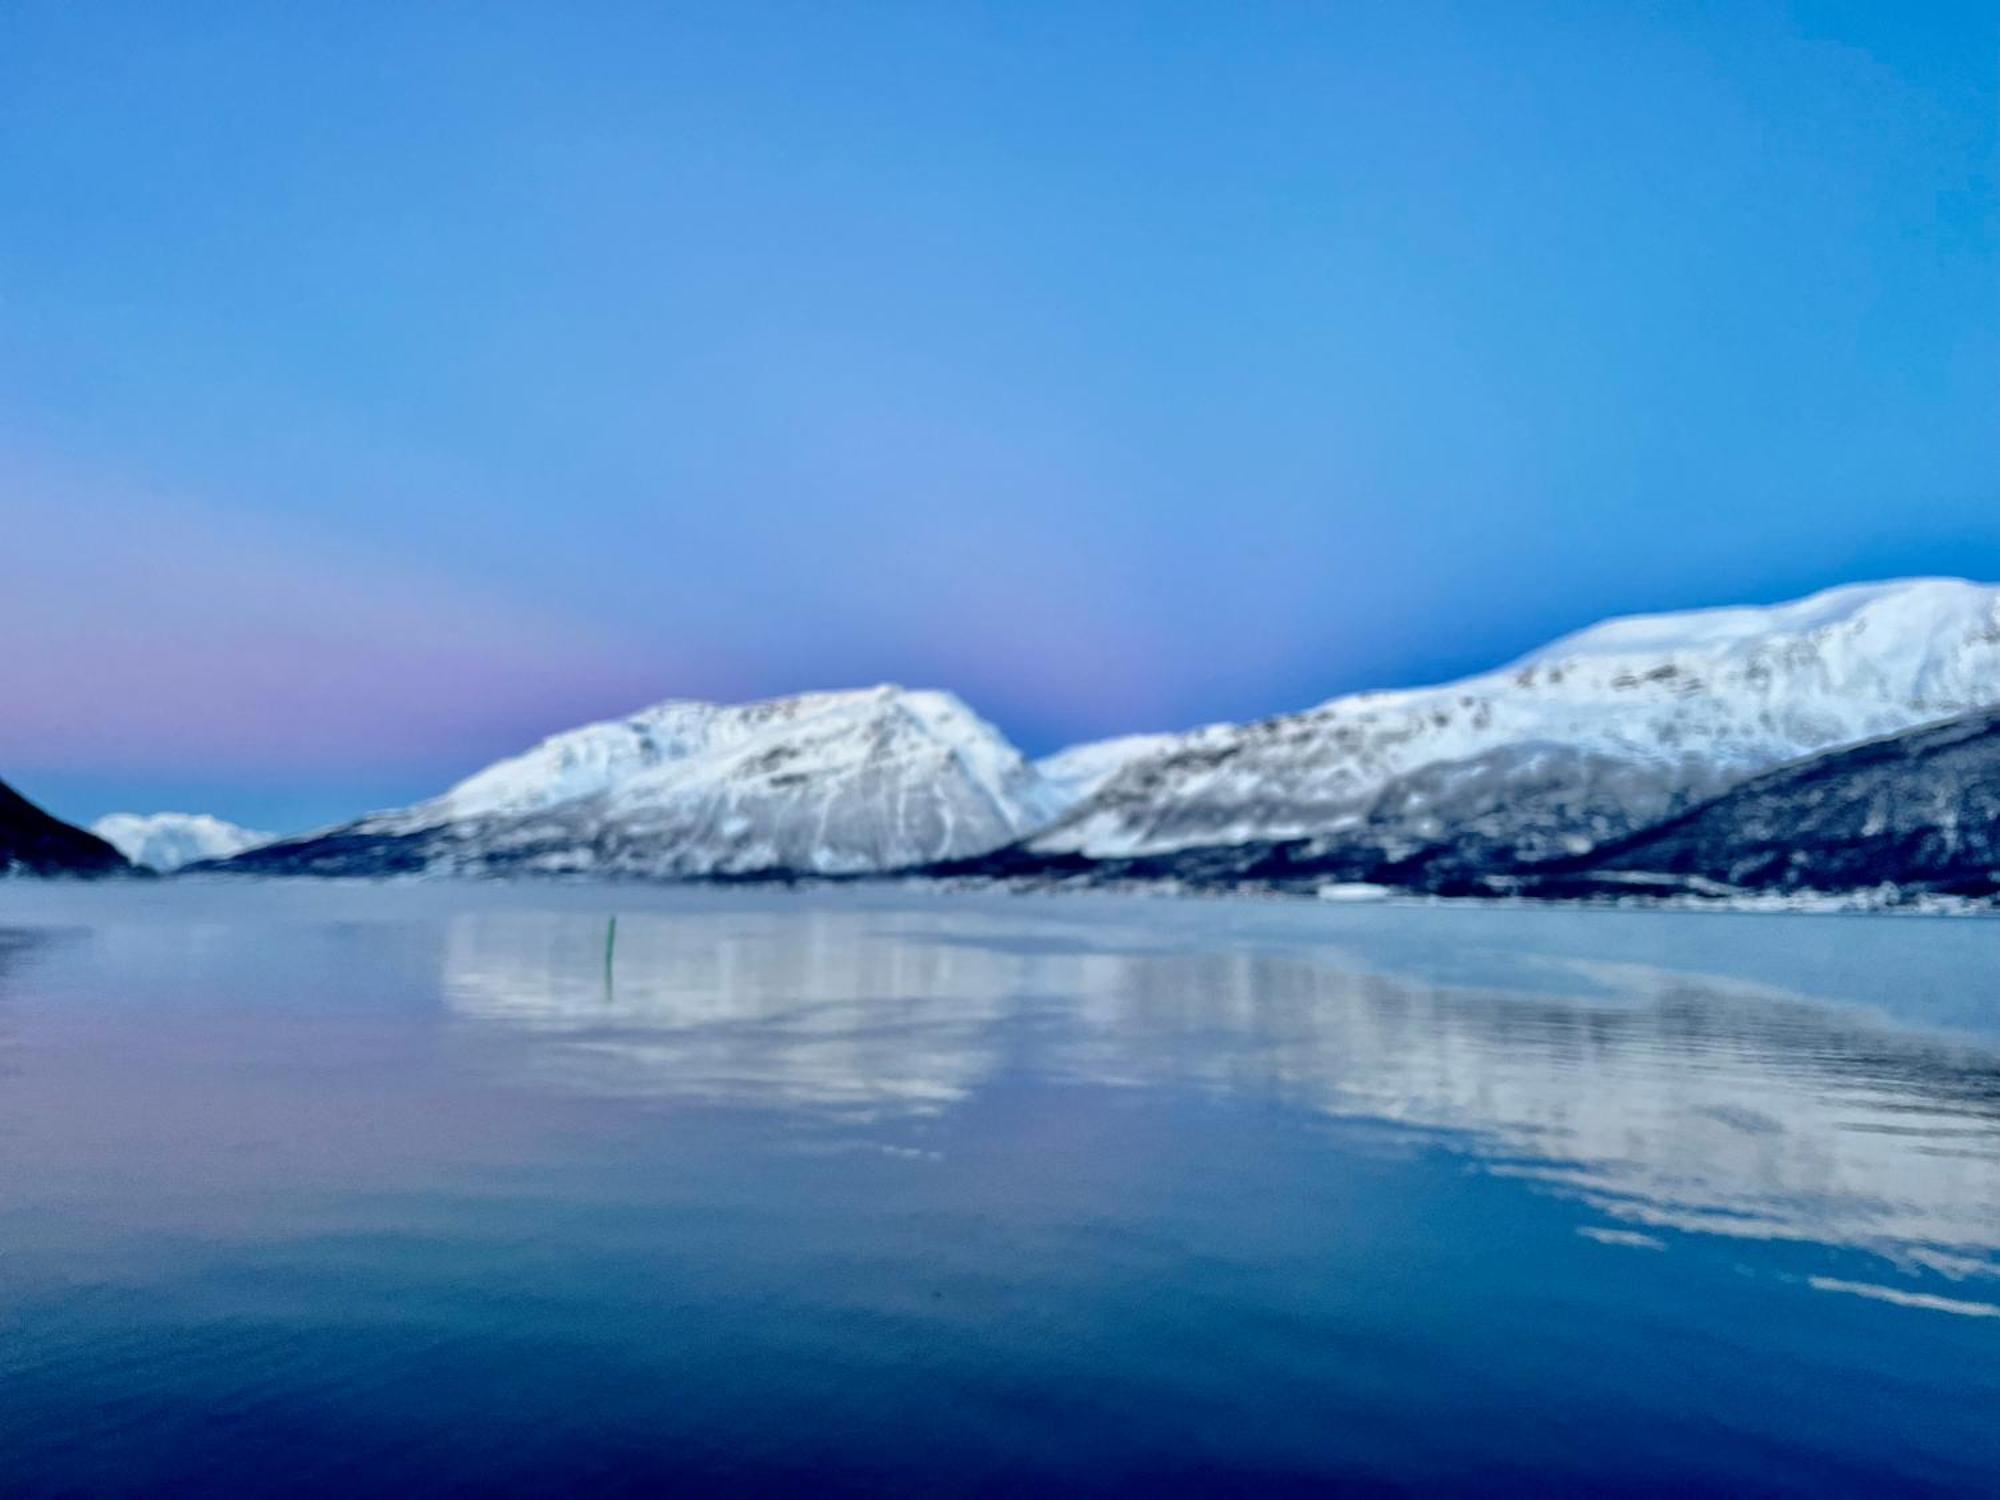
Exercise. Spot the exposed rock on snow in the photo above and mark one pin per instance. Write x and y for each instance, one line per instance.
(1537, 768)
(1919, 811)
(842, 783)
(1581, 741)
(1078, 772)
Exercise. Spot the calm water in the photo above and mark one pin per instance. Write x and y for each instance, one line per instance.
(328, 1190)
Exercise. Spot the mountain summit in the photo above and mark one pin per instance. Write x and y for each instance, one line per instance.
(841, 783)
(1579, 742)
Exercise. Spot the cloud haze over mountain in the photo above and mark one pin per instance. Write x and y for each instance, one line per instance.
(380, 391)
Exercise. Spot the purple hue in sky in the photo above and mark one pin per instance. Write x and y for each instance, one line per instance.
(382, 387)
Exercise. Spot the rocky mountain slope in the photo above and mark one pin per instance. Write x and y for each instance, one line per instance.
(1574, 745)
(1919, 811)
(34, 843)
(843, 783)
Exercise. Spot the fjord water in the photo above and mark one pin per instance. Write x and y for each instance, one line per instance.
(327, 1189)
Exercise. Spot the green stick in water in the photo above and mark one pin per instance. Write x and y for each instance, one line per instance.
(610, 946)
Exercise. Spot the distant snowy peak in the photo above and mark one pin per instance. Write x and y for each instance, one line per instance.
(165, 841)
(1700, 698)
(662, 744)
(821, 783)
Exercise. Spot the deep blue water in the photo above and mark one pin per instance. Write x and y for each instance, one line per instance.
(329, 1190)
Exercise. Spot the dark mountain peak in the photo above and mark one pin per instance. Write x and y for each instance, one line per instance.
(34, 843)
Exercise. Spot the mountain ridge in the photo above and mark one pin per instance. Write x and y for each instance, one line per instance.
(1537, 765)
(1686, 702)
(830, 783)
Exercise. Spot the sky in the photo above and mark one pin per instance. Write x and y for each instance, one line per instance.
(385, 386)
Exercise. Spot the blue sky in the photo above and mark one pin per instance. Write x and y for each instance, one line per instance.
(382, 386)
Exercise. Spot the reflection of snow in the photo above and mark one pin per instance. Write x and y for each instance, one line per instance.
(778, 1007)
(1666, 1100)
(1676, 1101)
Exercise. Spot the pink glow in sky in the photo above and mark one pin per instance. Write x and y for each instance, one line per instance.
(167, 636)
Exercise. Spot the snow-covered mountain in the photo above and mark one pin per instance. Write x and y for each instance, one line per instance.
(1568, 750)
(167, 840)
(842, 783)
(1581, 741)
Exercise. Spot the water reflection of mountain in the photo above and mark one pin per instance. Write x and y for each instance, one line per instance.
(808, 1007)
(18, 947)
(1675, 1100)
(1664, 1099)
